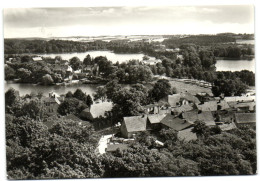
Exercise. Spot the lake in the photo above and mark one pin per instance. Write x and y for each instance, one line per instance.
(235, 65)
(114, 57)
(245, 41)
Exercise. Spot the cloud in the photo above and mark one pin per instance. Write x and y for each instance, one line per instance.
(119, 20)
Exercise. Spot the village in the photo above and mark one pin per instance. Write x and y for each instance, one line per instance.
(129, 91)
(178, 112)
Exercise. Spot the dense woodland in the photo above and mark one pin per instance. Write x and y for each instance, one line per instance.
(222, 46)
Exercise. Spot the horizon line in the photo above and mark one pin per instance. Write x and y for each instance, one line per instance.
(84, 36)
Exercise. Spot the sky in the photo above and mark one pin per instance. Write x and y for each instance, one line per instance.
(128, 20)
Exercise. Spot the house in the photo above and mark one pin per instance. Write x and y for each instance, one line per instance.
(37, 58)
(222, 105)
(176, 100)
(175, 123)
(53, 94)
(86, 115)
(68, 68)
(152, 61)
(187, 135)
(189, 97)
(132, 125)
(114, 147)
(155, 120)
(151, 109)
(51, 103)
(205, 116)
(207, 106)
(240, 99)
(183, 108)
(245, 106)
(245, 119)
(203, 96)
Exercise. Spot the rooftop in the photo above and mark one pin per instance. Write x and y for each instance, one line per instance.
(205, 116)
(175, 122)
(183, 108)
(208, 106)
(245, 118)
(156, 118)
(135, 123)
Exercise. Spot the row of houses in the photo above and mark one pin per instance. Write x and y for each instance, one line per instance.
(180, 111)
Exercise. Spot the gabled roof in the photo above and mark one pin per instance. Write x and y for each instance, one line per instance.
(205, 116)
(223, 104)
(187, 135)
(245, 118)
(183, 108)
(188, 96)
(208, 106)
(175, 122)
(173, 99)
(135, 123)
(86, 114)
(190, 116)
(155, 118)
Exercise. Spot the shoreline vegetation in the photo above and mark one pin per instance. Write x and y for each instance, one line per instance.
(192, 57)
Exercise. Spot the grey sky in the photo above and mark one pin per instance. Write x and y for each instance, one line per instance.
(47, 22)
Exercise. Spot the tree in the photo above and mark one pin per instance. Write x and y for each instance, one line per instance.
(161, 89)
(100, 93)
(59, 58)
(228, 87)
(24, 74)
(111, 88)
(69, 94)
(79, 94)
(9, 73)
(138, 73)
(71, 106)
(200, 128)
(47, 80)
(89, 101)
(57, 78)
(26, 59)
(75, 63)
(11, 98)
(87, 60)
(33, 109)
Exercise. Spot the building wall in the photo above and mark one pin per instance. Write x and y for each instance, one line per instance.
(52, 108)
(123, 130)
